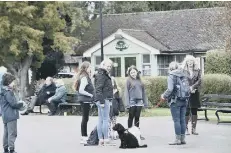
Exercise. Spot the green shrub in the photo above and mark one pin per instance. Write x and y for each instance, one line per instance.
(218, 61)
(68, 84)
(155, 86)
(216, 84)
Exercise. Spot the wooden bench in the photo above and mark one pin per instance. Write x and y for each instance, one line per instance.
(28, 100)
(211, 102)
(73, 106)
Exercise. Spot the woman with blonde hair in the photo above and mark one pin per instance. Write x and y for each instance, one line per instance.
(85, 92)
(191, 68)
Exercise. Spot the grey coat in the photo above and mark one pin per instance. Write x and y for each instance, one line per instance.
(135, 93)
(169, 94)
(60, 94)
(9, 105)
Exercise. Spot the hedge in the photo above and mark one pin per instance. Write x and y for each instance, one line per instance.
(218, 61)
(155, 86)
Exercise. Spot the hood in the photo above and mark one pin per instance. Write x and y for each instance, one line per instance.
(102, 71)
(5, 89)
(177, 72)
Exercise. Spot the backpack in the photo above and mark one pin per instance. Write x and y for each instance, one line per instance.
(182, 88)
(93, 138)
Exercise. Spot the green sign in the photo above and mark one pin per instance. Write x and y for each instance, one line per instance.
(121, 45)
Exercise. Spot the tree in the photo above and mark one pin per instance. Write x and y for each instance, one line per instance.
(23, 26)
(76, 17)
(146, 6)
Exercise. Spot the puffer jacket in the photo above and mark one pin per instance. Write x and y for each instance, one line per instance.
(103, 86)
(9, 105)
(60, 94)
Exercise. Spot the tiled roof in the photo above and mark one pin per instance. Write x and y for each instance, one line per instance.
(179, 30)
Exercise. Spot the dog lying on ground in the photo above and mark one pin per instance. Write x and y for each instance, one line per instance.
(130, 138)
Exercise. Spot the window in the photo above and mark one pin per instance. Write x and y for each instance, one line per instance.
(146, 65)
(163, 63)
(97, 60)
(116, 69)
(180, 58)
(146, 58)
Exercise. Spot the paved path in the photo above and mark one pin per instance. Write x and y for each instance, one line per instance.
(61, 134)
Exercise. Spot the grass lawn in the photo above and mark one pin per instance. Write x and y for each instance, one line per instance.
(166, 112)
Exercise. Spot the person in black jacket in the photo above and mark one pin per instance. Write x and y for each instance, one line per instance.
(191, 68)
(47, 91)
(10, 112)
(103, 98)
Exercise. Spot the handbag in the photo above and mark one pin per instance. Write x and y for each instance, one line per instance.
(121, 105)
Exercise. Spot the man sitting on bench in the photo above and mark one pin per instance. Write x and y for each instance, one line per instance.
(59, 97)
(44, 93)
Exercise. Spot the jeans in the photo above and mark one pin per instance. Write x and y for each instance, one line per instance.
(103, 119)
(178, 111)
(53, 106)
(10, 135)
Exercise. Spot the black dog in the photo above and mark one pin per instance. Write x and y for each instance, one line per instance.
(128, 139)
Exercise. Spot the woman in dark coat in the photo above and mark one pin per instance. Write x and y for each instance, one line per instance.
(190, 66)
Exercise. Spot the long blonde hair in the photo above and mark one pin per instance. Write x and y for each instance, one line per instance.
(184, 65)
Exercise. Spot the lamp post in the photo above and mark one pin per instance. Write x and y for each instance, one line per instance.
(101, 30)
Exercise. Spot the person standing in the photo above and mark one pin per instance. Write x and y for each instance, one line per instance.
(85, 93)
(10, 112)
(103, 98)
(191, 68)
(135, 96)
(177, 95)
(114, 109)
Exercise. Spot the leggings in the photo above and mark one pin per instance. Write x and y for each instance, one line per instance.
(134, 112)
(85, 118)
(191, 110)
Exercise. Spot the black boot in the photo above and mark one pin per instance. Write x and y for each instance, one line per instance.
(6, 150)
(12, 151)
(51, 107)
(27, 112)
(186, 121)
(194, 124)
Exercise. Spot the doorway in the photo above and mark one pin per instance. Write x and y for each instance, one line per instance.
(129, 61)
(116, 69)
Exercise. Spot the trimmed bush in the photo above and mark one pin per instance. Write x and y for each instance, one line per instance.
(216, 84)
(155, 86)
(218, 61)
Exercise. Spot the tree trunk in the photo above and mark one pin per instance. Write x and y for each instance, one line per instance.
(31, 87)
(23, 82)
(20, 71)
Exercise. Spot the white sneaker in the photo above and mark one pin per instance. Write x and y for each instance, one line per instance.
(101, 142)
(83, 140)
(107, 142)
